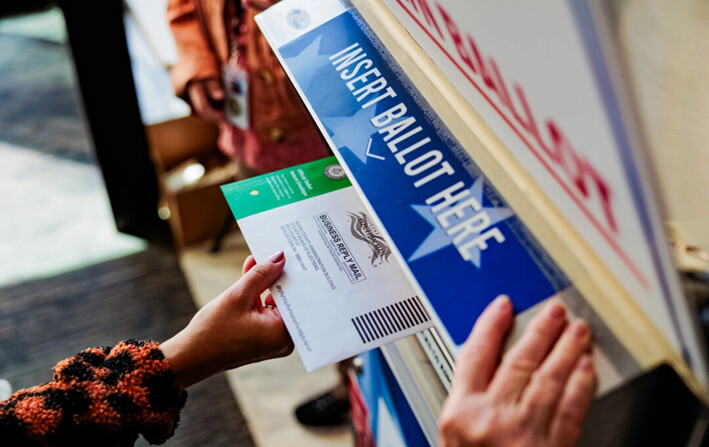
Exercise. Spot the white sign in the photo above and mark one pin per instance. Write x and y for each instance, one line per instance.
(524, 67)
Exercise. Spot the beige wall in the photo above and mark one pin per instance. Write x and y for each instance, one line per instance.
(666, 45)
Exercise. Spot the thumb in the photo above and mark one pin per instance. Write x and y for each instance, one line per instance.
(263, 275)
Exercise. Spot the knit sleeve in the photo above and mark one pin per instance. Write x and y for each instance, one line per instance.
(101, 396)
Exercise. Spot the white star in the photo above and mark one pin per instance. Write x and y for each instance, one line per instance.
(438, 238)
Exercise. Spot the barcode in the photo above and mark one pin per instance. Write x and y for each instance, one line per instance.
(390, 319)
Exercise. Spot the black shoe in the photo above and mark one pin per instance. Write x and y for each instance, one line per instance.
(324, 411)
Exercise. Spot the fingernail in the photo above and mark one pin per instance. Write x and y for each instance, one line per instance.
(277, 257)
(585, 364)
(502, 303)
(556, 311)
(579, 329)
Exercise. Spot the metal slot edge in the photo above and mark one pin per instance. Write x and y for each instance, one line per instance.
(422, 368)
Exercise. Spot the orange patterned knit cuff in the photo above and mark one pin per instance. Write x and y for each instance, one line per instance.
(101, 396)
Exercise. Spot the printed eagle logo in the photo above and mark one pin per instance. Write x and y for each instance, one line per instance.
(362, 228)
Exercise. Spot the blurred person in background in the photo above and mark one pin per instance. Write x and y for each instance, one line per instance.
(228, 74)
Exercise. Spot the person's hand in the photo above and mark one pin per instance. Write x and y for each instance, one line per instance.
(232, 330)
(207, 98)
(536, 396)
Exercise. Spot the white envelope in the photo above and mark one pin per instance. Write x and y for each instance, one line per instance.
(342, 291)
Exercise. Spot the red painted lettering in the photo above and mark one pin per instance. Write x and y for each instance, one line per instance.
(423, 9)
(502, 92)
(455, 36)
(530, 125)
(487, 79)
(568, 160)
(578, 170)
(605, 192)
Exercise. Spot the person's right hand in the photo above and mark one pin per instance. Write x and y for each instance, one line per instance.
(536, 396)
(207, 98)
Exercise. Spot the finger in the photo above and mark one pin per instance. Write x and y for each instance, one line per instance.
(481, 352)
(573, 406)
(528, 352)
(267, 305)
(548, 383)
(249, 263)
(272, 317)
(274, 334)
(259, 278)
(269, 301)
(270, 310)
(200, 102)
(215, 89)
(196, 93)
(209, 113)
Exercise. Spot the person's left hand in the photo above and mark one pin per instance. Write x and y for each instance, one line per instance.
(232, 330)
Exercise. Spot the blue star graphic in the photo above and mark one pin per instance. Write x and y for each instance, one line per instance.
(304, 65)
(354, 132)
(438, 238)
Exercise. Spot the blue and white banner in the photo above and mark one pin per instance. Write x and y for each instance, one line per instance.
(455, 235)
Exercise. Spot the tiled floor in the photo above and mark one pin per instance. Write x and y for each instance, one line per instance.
(267, 392)
(55, 216)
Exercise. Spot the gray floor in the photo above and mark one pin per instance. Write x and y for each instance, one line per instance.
(141, 296)
(56, 219)
(40, 106)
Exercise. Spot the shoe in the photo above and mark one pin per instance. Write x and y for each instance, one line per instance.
(324, 411)
(5, 390)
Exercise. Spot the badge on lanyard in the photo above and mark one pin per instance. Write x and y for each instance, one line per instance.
(236, 81)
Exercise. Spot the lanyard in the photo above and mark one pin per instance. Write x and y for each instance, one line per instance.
(234, 12)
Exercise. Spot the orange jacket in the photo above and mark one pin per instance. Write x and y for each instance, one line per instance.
(281, 133)
(201, 38)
